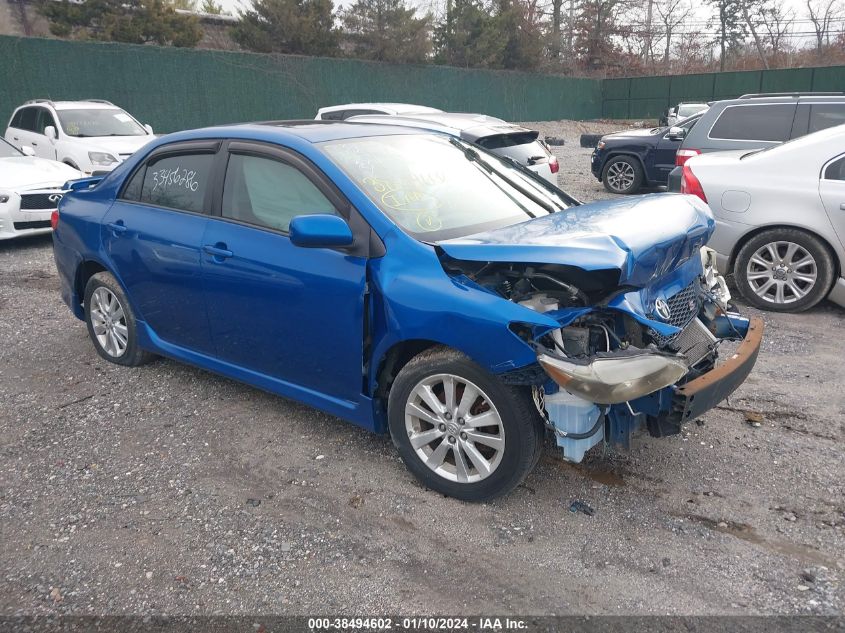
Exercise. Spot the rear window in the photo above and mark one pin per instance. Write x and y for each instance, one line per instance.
(755, 123)
(521, 147)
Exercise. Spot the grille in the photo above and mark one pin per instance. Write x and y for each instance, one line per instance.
(683, 308)
(40, 224)
(38, 201)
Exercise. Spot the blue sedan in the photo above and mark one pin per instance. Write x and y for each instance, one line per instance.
(410, 283)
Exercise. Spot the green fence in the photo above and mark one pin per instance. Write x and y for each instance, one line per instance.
(648, 97)
(173, 89)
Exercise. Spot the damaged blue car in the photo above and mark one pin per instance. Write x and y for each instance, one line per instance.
(410, 283)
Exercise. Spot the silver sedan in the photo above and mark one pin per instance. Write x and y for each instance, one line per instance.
(780, 218)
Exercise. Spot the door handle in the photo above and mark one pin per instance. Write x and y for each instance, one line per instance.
(218, 251)
(15, 138)
(34, 144)
(117, 227)
(842, 206)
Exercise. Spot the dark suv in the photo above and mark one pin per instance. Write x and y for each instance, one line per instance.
(757, 121)
(625, 161)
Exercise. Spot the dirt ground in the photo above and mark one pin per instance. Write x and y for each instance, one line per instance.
(166, 489)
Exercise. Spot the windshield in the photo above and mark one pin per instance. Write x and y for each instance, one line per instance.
(99, 122)
(437, 188)
(7, 150)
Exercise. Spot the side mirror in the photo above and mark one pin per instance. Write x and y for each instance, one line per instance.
(676, 133)
(148, 128)
(320, 231)
(50, 133)
(26, 150)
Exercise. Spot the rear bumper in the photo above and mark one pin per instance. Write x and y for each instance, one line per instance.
(705, 392)
(674, 184)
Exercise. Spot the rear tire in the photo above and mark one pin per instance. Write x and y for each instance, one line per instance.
(461, 431)
(784, 270)
(622, 175)
(111, 322)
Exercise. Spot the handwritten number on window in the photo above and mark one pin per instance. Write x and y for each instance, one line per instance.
(177, 178)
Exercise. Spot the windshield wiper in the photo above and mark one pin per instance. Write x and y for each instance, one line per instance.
(533, 175)
(472, 156)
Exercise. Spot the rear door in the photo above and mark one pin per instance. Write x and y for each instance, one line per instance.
(294, 314)
(153, 235)
(664, 153)
(832, 191)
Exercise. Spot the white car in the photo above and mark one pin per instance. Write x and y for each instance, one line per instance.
(495, 135)
(780, 218)
(30, 190)
(343, 112)
(91, 136)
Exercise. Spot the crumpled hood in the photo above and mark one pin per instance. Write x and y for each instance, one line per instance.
(19, 173)
(644, 237)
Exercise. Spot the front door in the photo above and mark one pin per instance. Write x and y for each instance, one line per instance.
(153, 235)
(294, 314)
(832, 191)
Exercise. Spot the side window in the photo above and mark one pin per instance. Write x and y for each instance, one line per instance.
(836, 170)
(177, 182)
(755, 123)
(825, 115)
(16, 119)
(132, 189)
(44, 119)
(269, 193)
(29, 118)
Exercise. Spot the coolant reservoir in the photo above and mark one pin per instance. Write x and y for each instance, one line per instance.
(571, 414)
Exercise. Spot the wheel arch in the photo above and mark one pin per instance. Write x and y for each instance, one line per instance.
(757, 230)
(86, 269)
(621, 152)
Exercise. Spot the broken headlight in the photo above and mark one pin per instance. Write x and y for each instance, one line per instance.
(616, 378)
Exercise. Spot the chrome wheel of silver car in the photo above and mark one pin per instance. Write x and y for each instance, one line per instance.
(782, 272)
(454, 428)
(109, 322)
(620, 176)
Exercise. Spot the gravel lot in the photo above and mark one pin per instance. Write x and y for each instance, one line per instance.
(166, 489)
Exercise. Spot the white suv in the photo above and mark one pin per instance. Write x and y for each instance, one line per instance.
(91, 136)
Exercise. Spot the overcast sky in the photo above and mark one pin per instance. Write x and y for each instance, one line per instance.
(802, 29)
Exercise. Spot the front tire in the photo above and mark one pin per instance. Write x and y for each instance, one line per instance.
(622, 175)
(111, 322)
(783, 270)
(461, 431)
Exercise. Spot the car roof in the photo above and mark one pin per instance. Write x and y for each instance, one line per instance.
(309, 130)
(467, 125)
(88, 104)
(396, 107)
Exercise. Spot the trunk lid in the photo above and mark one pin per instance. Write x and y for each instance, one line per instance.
(643, 237)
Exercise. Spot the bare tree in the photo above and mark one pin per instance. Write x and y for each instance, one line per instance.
(823, 14)
(776, 20)
(672, 14)
(750, 11)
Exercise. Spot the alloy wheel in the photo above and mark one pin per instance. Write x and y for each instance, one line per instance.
(620, 176)
(109, 322)
(454, 428)
(782, 272)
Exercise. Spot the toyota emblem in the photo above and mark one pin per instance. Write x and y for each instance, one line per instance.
(661, 308)
(55, 197)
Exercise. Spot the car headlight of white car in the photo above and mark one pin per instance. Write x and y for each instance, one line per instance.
(3, 198)
(101, 158)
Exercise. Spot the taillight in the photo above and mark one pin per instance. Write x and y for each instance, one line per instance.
(684, 155)
(690, 184)
(54, 219)
(553, 164)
